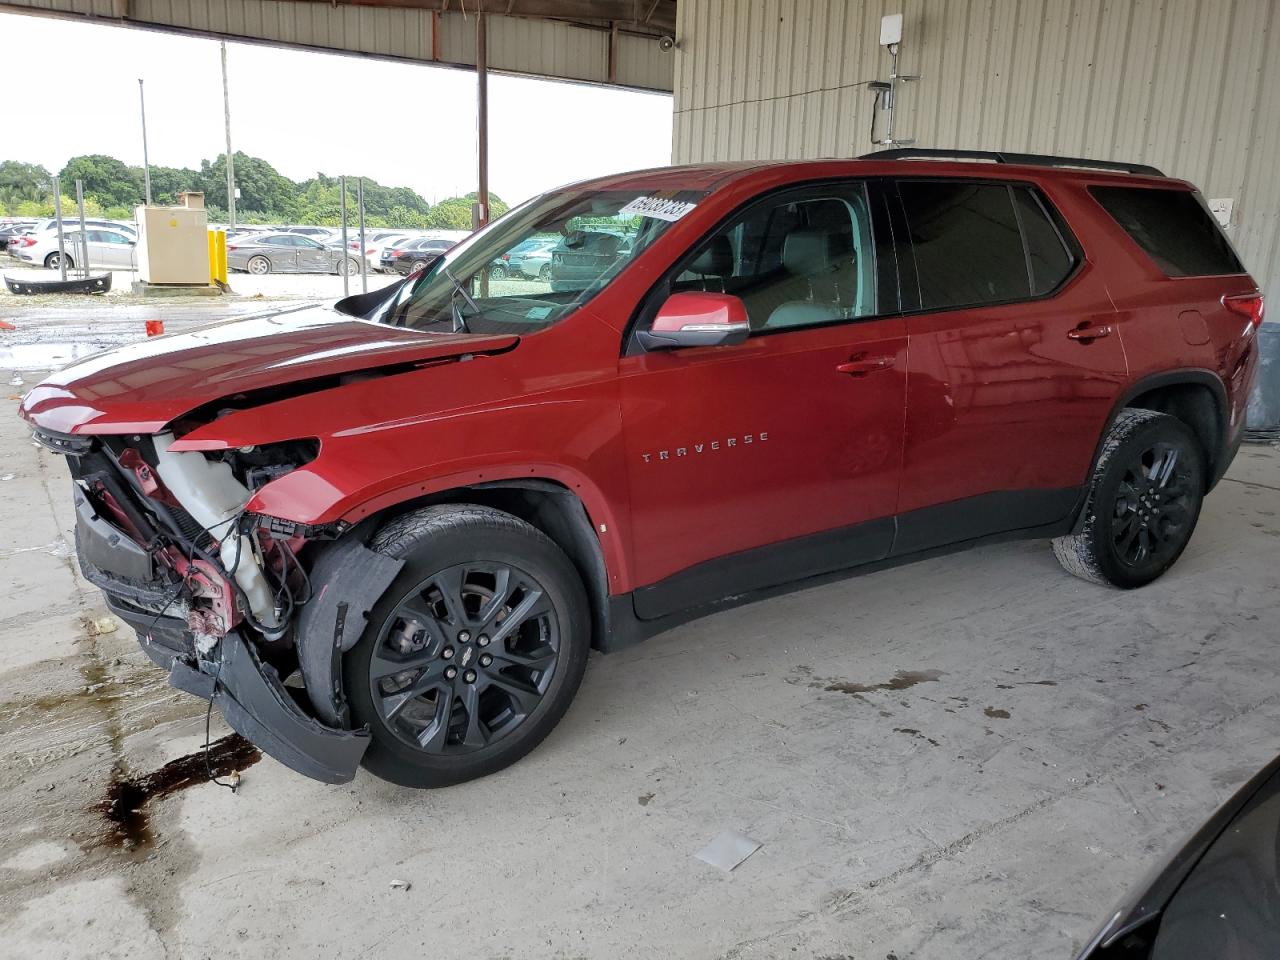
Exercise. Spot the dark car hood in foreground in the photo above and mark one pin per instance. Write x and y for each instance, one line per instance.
(143, 386)
(1237, 902)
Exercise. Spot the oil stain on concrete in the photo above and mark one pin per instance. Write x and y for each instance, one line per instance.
(128, 823)
(902, 680)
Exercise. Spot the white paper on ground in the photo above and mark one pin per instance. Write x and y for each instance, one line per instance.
(728, 849)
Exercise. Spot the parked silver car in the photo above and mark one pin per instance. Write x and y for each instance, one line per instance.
(112, 249)
(289, 253)
(531, 259)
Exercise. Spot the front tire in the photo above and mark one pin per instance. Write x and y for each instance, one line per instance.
(474, 652)
(1144, 501)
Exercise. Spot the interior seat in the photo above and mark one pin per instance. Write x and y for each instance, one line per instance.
(714, 264)
(819, 282)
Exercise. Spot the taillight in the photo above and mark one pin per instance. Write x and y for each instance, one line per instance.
(1247, 305)
(506, 256)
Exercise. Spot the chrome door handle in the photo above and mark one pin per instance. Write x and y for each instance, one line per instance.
(861, 366)
(1085, 332)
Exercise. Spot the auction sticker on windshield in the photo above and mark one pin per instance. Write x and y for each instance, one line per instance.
(657, 207)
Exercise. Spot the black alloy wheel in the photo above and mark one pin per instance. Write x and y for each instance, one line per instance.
(465, 657)
(474, 652)
(1155, 505)
(1144, 501)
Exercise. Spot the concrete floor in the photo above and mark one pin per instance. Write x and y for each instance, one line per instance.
(1072, 734)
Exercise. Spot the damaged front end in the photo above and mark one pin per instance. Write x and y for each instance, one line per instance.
(217, 595)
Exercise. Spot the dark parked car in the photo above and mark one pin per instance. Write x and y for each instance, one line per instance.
(1217, 896)
(585, 256)
(413, 256)
(424, 504)
(289, 253)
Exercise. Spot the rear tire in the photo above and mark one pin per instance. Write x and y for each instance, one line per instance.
(1144, 501)
(488, 625)
(51, 262)
(259, 266)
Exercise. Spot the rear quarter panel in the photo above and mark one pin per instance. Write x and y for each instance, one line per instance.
(1172, 323)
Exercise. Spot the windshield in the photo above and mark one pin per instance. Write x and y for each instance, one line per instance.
(489, 283)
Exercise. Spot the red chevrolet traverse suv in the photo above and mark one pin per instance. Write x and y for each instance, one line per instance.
(387, 531)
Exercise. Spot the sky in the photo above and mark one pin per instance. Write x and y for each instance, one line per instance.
(303, 112)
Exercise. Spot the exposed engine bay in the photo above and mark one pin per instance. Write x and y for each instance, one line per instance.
(222, 567)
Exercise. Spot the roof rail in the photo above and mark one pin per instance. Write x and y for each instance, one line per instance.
(1031, 159)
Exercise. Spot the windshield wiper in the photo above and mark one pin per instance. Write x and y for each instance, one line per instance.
(459, 321)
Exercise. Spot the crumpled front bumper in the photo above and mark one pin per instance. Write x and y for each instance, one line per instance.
(247, 691)
(251, 698)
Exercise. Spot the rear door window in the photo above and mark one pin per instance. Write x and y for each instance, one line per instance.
(1173, 227)
(967, 245)
(1049, 258)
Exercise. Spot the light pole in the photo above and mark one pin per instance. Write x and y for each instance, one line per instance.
(146, 165)
(231, 165)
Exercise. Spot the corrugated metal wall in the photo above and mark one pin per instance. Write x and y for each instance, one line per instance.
(516, 45)
(1191, 86)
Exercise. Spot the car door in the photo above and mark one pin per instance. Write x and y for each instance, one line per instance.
(314, 257)
(283, 251)
(1007, 391)
(777, 458)
(99, 249)
(115, 249)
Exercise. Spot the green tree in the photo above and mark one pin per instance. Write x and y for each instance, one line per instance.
(266, 195)
(263, 189)
(23, 182)
(455, 213)
(168, 182)
(108, 180)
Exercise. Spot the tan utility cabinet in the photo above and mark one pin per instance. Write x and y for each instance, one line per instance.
(173, 244)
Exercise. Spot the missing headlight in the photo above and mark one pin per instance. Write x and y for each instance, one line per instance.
(257, 466)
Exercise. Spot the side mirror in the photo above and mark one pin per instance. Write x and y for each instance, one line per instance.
(697, 319)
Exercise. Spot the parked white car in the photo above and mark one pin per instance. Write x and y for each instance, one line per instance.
(42, 231)
(110, 249)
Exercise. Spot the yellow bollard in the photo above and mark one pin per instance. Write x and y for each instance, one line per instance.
(222, 256)
(213, 256)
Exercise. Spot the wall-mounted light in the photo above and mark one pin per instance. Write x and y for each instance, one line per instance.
(886, 91)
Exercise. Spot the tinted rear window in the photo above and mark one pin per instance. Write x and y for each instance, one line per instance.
(1048, 255)
(1174, 229)
(967, 246)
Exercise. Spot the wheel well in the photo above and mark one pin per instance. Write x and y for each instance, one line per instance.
(1196, 406)
(553, 509)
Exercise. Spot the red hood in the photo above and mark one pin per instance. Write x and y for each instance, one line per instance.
(141, 387)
